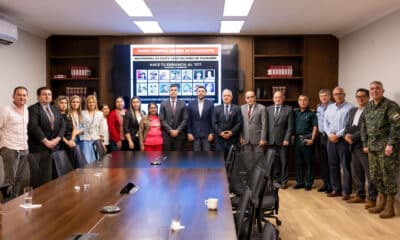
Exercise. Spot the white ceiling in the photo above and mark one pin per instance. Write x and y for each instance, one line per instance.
(105, 17)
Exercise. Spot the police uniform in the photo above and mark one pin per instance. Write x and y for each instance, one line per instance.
(381, 127)
(304, 123)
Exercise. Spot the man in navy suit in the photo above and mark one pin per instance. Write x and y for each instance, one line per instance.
(173, 116)
(45, 130)
(227, 122)
(199, 129)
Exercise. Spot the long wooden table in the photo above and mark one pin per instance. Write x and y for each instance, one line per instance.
(144, 215)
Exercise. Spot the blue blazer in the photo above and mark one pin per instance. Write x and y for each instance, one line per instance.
(200, 126)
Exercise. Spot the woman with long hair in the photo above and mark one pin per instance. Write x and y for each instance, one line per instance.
(105, 109)
(94, 125)
(150, 136)
(115, 126)
(75, 114)
(131, 124)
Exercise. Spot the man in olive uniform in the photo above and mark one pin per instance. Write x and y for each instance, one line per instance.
(380, 134)
(305, 131)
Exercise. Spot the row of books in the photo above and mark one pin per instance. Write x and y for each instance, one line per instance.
(264, 93)
(80, 91)
(280, 71)
(80, 72)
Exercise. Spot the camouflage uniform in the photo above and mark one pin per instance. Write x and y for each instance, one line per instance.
(381, 127)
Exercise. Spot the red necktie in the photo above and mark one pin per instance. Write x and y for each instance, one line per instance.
(51, 117)
(173, 107)
(249, 112)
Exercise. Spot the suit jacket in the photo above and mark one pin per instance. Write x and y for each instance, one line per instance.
(200, 126)
(234, 122)
(39, 127)
(170, 121)
(131, 124)
(255, 128)
(355, 131)
(280, 128)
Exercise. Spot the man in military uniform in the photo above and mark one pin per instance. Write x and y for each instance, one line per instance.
(305, 131)
(380, 136)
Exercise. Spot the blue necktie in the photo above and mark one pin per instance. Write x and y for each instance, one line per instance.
(226, 112)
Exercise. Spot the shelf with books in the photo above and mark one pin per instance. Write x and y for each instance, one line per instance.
(73, 62)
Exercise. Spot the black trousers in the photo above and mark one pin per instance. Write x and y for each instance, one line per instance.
(323, 159)
(281, 169)
(360, 172)
(173, 143)
(41, 168)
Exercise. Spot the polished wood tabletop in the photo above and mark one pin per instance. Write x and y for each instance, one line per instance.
(145, 214)
(136, 159)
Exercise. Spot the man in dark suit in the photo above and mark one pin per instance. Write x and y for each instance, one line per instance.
(227, 122)
(199, 129)
(45, 130)
(359, 162)
(173, 116)
(254, 118)
(280, 128)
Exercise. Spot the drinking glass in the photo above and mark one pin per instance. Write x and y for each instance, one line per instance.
(28, 194)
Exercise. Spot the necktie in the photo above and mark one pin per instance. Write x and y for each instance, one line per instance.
(226, 112)
(249, 112)
(276, 111)
(173, 107)
(51, 117)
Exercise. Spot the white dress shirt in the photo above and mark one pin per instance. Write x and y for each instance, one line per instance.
(14, 128)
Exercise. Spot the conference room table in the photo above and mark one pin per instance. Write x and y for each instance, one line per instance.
(177, 187)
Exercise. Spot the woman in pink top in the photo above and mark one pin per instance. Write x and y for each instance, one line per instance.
(150, 136)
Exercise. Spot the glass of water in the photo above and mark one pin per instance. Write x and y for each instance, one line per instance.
(28, 194)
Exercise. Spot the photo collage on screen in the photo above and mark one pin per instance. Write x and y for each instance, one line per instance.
(156, 82)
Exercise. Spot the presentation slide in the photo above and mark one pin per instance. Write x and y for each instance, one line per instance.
(155, 67)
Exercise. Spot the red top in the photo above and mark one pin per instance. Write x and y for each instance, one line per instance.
(154, 135)
(115, 125)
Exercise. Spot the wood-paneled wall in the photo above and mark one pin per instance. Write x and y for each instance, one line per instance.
(245, 46)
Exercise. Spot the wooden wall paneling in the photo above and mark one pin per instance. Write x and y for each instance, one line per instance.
(321, 65)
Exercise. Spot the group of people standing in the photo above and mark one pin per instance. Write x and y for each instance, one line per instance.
(361, 141)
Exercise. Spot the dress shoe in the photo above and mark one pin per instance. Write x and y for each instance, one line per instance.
(323, 188)
(307, 188)
(356, 199)
(298, 186)
(369, 204)
(284, 186)
(334, 194)
(329, 190)
(346, 197)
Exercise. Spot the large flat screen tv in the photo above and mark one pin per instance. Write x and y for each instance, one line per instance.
(147, 71)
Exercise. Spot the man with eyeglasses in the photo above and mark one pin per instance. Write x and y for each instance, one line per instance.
(380, 131)
(336, 117)
(359, 161)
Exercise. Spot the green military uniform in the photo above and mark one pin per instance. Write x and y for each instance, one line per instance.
(381, 127)
(304, 123)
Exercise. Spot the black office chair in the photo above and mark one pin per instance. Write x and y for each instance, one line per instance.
(99, 150)
(243, 214)
(268, 203)
(62, 162)
(79, 158)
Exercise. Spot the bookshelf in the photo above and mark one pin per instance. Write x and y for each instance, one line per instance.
(314, 59)
(275, 51)
(66, 52)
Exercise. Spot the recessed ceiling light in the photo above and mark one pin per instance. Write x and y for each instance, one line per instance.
(237, 7)
(231, 26)
(149, 26)
(135, 8)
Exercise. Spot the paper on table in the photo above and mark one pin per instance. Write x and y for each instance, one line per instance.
(31, 206)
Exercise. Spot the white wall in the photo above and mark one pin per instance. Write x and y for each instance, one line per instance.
(372, 53)
(23, 63)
